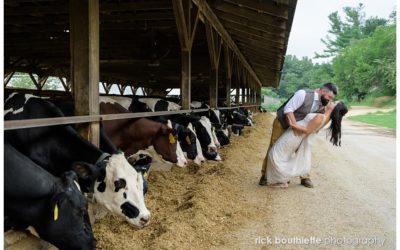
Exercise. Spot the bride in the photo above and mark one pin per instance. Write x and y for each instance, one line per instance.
(290, 156)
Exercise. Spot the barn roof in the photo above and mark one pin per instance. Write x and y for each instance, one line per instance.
(138, 39)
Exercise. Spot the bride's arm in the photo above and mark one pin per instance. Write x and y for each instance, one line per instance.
(312, 125)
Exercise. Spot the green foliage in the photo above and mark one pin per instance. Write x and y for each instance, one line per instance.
(53, 83)
(353, 28)
(271, 107)
(383, 119)
(21, 80)
(302, 73)
(368, 65)
(24, 81)
(363, 64)
(269, 92)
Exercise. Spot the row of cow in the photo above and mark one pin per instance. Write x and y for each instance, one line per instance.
(50, 171)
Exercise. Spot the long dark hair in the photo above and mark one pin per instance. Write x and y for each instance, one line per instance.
(335, 130)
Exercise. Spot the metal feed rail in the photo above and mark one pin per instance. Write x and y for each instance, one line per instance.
(42, 122)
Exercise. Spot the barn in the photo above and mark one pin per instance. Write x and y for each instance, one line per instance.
(219, 51)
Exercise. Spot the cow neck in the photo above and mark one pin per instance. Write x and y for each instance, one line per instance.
(90, 153)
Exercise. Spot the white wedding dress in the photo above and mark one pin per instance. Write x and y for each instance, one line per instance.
(290, 156)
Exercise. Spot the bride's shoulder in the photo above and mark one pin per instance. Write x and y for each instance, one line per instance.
(313, 115)
(316, 116)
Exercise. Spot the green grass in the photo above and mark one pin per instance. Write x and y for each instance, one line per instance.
(372, 101)
(382, 119)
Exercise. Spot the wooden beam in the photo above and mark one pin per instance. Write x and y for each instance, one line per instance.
(133, 89)
(181, 23)
(264, 51)
(104, 8)
(253, 23)
(66, 84)
(214, 48)
(135, 6)
(7, 77)
(255, 34)
(121, 88)
(268, 7)
(262, 31)
(208, 14)
(84, 38)
(34, 81)
(186, 33)
(250, 14)
(228, 73)
(42, 81)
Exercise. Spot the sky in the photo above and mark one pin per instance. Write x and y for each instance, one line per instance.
(311, 22)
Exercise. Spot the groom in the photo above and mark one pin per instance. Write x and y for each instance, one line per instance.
(301, 103)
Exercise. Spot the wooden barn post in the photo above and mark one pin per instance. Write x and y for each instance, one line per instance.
(243, 87)
(84, 46)
(186, 33)
(214, 47)
(228, 72)
(238, 80)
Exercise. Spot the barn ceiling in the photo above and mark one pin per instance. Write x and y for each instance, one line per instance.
(139, 42)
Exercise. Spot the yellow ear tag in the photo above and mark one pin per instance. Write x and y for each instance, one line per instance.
(171, 138)
(145, 174)
(189, 142)
(55, 212)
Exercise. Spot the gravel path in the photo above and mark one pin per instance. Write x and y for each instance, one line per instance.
(353, 199)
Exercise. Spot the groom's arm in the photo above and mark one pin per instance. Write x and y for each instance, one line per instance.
(293, 104)
(297, 129)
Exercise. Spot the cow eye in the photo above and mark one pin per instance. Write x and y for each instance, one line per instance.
(120, 183)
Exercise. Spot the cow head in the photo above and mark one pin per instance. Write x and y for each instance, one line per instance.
(199, 159)
(241, 119)
(141, 163)
(67, 225)
(182, 161)
(187, 141)
(165, 142)
(207, 138)
(119, 187)
(214, 116)
(223, 136)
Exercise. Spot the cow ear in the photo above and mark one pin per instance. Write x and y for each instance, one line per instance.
(84, 170)
(164, 129)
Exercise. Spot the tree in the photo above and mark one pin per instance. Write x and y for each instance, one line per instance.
(298, 74)
(24, 81)
(353, 28)
(368, 65)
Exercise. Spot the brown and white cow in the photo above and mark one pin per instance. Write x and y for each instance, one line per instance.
(132, 135)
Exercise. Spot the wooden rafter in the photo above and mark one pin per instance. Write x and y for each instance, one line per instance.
(66, 84)
(121, 88)
(208, 14)
(7, 77)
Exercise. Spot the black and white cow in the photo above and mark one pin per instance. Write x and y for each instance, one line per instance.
(54, 207)
(106, 145)
(219, 127)
(114, 182)
(187, 121)
(189, 143)
(146, 104)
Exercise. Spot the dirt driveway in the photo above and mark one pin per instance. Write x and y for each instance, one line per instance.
(353, 199)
